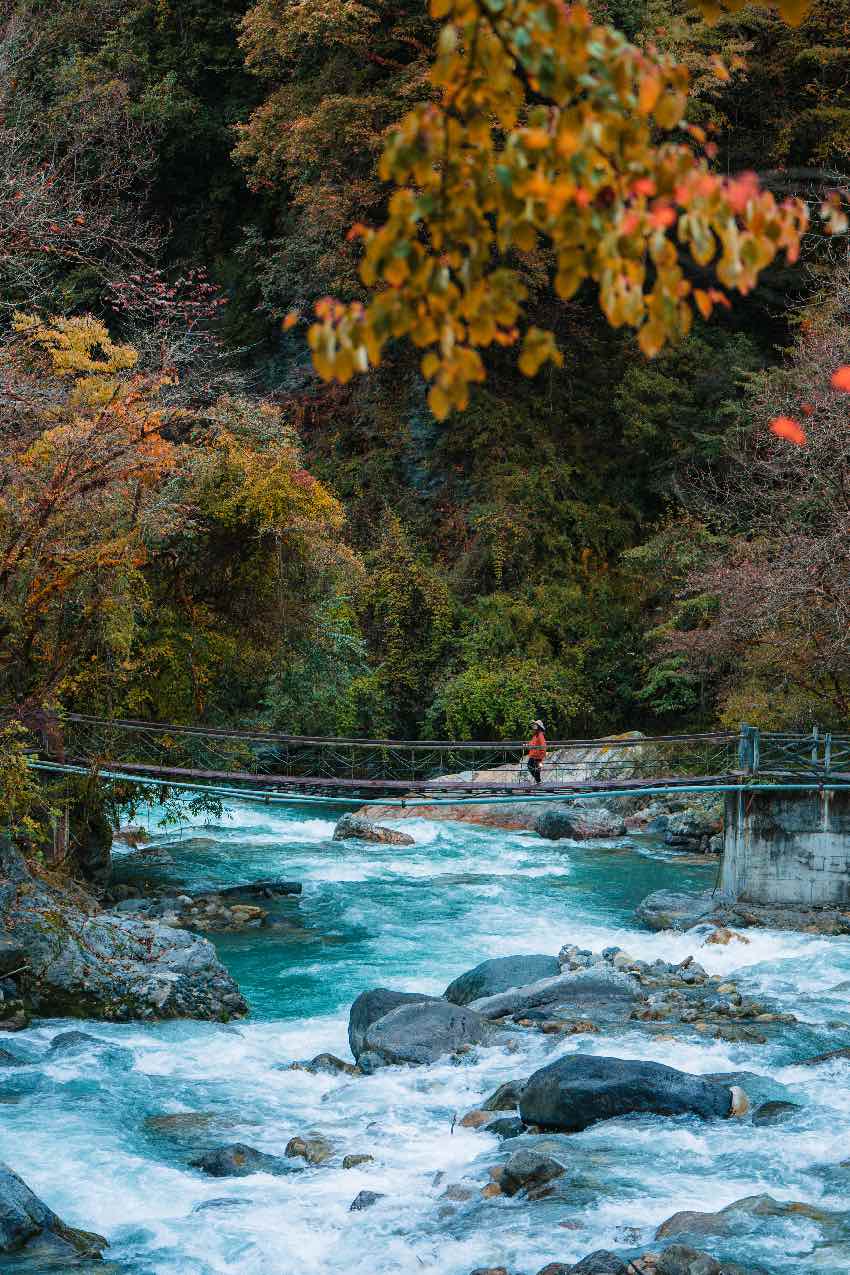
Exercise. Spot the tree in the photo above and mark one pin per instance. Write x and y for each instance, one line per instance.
(762, 612)
(546, 129)
(336, 75)
(152, 558)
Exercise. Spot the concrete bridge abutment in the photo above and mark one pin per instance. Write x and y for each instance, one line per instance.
(788, 847)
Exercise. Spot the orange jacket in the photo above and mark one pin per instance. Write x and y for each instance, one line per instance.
(537, 746)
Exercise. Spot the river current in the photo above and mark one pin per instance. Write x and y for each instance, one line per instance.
(414, 918)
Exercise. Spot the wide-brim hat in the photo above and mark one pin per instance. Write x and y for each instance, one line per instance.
(535, 721)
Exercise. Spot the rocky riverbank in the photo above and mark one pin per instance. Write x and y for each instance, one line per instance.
(74, 959)
(669, 910)
(686, 822)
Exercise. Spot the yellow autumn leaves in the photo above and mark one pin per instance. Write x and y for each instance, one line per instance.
(548, 131)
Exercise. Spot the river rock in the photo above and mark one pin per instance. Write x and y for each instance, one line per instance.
(692, 829)
(313, 1150)
(505, 1127)
(775, 1112)
(355, 828)
(321, 1065)
(355, 1161)
(239, 1161)
(678, 1259)
(498, 975)
(27, 1225)
(831, 1055)
(365, 1200)
(601, 992)
(261, 889)
(423, 1031)
(600, 1263)
(579, 823)
(729, 1221)
(372, 1005)
(669, 910)
(14, 1058)
(85, 963)
(579, 1090)
(506, 1097)
(526, 1170)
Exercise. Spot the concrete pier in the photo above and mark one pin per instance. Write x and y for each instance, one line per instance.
(787, 847)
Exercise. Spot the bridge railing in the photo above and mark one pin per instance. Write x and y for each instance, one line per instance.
(781, 753)
(207, 752)
(210, 750)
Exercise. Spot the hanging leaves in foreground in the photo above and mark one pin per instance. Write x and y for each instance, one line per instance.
(545, 130)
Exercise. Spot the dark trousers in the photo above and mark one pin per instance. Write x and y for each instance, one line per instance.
(534, 767)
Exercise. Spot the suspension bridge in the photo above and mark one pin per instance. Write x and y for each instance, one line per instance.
(268, 766)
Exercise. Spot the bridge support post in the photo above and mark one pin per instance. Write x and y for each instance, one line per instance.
(788, 847)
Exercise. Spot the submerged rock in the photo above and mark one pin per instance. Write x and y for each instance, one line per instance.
(372, 1005)
(356, 828)
(86, 963)
(14, 1058)
(365, 1200)
(422, 1032)
(831, 1055)
(527, 1170)
(505, 1127)
(27, 1225)
(579, 823)
(266, 889)
(239, 1161)
(579, 1090)
(775, 1112)
(498, 975)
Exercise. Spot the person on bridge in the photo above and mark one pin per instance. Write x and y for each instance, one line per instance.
(536, 750)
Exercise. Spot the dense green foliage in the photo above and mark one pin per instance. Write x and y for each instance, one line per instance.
(526, 558)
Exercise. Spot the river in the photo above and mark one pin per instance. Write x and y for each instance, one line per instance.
(414, 918)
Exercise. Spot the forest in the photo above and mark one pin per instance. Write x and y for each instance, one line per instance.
(195, 526)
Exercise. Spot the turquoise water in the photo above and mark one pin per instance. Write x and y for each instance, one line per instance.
(415, 917)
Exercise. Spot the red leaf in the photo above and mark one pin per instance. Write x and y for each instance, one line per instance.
(787, 428)
(841, 379)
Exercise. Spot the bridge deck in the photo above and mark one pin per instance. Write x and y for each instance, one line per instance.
(435, 787)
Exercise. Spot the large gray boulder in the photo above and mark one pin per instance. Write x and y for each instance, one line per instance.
(356, 828)
(669, 910)
(423, 1032)
(580, 1090)
(90, 964)
(598, 992)
(579, 823)
(27, 1225)
(498, 975)
(372, 1005)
